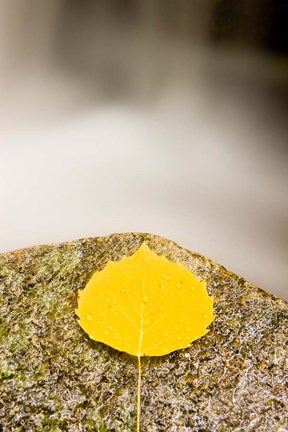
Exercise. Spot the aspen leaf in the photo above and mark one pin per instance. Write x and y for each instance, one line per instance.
(145, 305)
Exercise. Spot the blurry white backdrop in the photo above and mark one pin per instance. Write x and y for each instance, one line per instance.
(109, 125)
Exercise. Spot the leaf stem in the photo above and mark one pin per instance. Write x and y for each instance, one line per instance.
(139, 394)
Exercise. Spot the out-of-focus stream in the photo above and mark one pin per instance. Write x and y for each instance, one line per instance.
(135, 120)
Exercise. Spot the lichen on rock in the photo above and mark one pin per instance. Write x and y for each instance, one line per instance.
(54, 378)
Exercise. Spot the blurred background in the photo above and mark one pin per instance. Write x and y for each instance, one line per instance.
(162, 116)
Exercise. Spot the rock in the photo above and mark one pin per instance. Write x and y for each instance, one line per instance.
(54, 378)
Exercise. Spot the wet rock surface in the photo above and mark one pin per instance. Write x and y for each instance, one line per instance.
(54, 378)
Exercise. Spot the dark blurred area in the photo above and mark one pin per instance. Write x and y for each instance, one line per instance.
(161, 116)
(258, 23)
(262, 23)
(111, 41)
(126, 44)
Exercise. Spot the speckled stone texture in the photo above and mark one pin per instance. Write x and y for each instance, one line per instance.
(54, 378)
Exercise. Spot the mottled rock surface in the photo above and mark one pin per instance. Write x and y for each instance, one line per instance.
(54, 378)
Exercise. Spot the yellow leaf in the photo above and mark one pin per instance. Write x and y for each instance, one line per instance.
(145, 305)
